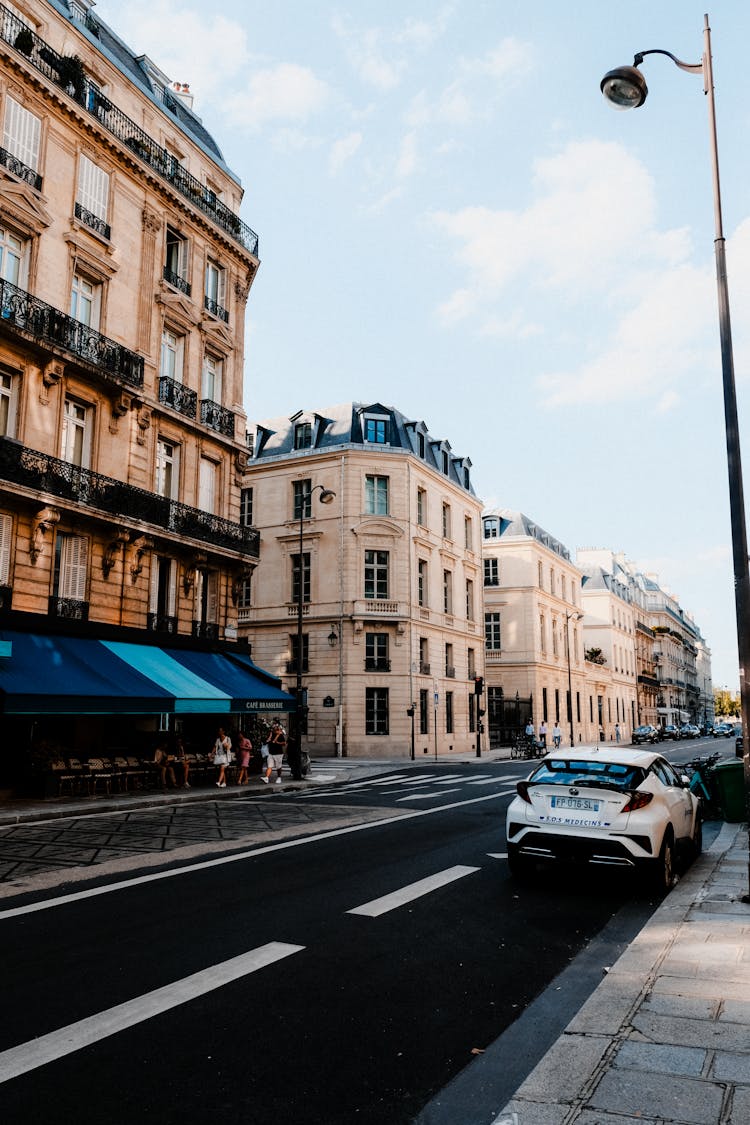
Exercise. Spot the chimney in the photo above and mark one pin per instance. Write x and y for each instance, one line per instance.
(182, 91)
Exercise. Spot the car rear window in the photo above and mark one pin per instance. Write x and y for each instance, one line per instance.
(562, 771)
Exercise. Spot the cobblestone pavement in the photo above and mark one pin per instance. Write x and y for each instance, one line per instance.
(63, 847)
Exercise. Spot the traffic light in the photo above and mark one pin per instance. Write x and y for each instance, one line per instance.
(478, 685)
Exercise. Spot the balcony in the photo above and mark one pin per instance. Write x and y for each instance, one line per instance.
(68, 608)
(178, 396)
(6, 598)
(424, 668)
(161, 623)
(215, 309)
(206, 630)
(176, 281)
(41, 472)
(217, 417)
(377, 664)
(18, 168)
(89, 219)
(450, 672)
(366, 607)
(67, 73)
(26, 316)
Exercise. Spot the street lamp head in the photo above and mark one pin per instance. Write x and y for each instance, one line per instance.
(326, 496)
(624, 88)
(333, 637)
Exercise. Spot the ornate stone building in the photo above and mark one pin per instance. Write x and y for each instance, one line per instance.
(391, 579)
(124, 273)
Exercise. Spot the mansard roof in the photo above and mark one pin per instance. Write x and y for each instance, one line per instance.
(516, 523)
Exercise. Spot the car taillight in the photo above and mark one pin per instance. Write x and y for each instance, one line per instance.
(522, 789)
(638, 801)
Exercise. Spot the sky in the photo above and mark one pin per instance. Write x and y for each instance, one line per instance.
(454, 222)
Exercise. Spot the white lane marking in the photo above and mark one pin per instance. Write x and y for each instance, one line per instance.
(398, 898)
(426, 796)
(55, 1045)
(448, 777)
(484, 781)
(254, 853)
(497, 855)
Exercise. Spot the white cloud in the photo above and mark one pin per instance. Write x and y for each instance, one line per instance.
(342, 151)
(381, 56)
(407, 159)
(285, 92)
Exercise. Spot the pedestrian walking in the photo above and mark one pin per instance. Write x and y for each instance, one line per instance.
(244, 747)
(221, 756)
(556, 736)
(529, 733)
(543, 734)
(617, 732)
(274, 752)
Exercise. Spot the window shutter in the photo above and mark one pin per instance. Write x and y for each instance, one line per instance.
(153, 590)
(93, 188)
(75, 554)
(172, 606)
(6, 531)
(21, 133)
(212, 596)
(207, 485)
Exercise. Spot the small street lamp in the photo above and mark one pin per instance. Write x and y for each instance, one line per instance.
(295, 742)
(625, 88)
(568, 618)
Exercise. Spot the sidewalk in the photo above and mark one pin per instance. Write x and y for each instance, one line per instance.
(666, 1035)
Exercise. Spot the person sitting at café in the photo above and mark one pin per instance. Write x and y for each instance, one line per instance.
(163, 762)
(180, 756)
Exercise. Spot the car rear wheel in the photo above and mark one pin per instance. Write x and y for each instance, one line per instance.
(662, 872)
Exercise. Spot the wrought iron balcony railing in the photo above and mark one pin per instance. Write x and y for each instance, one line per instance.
(450, 672)
(178, 396)
(161, 623)
(23, 313)
(68, 608)
(424, 668)
(291, 665)
(377, 664)
(216, 309)
(208, 630)
(67, 72)
(93, 221)
(177, 281)
(18, 168)
(217, 417)
(31, 469)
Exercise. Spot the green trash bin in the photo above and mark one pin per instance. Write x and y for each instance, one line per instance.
(729, 780)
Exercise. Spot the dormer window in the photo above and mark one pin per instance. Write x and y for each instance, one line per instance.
(446, 462)
(421, 445)
(303, 435)
(376, 430)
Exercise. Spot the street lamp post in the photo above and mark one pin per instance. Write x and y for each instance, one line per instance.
(295, 742)
(626, 88)
(568, 617)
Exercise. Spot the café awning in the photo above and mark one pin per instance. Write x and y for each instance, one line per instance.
(61, 675)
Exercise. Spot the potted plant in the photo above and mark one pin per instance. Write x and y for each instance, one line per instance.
(24, 41)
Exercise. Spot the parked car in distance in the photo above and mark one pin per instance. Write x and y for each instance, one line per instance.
(670, 731)
(689, 730)
(626, 808)
(645, 733)
(723, 730)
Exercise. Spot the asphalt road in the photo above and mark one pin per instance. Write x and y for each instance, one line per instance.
(341, 978)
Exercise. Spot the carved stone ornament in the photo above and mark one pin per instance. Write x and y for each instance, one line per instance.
(151, 221)
(52, 374)
(140, 546)
(112, 550)
(241, 461)
(45, 521)
(144, 422)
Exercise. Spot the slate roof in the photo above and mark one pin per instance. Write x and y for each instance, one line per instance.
(513, 522)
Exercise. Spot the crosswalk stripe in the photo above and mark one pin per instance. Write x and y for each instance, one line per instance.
(38, 1052)
(426, 796)
(406, 894)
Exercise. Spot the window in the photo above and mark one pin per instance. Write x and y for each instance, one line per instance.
(208, 474)
(424, 656)
(92, 197)
(71, 566)
(167, 469)
(471, 663)
(6, 537)
(176, 261)
(422, 582)
(542, 633)
(540, 575)
(424, 711)
(85, 301)
(207, 594)
(213, 372)
(376, 496)
(492, 632)
(446, 521)
(8, 401)
(554, 637)
(563, 587)
(246, 507)
(469, 599)
(302, 499)
(421, 507)
(172, 355)
(376, 574)
(449, 712)
(305, 577)
(303, 435)
(447, 591)
(468, 534)
(244, 594)
(446, 462)
(21, 134)
(293, 643)
(376, 430)
(467, 479)
(449, 666)
(214, 298)
(163, 595)
(376, 710)
(491, 572)
(551, 581)
(490, 528)
(376, 652)
(420, 445)
(75, 446)
(13, 258)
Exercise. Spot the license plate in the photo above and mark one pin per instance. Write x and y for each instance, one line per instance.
(575, 803)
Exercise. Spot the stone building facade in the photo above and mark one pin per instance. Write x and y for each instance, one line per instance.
(391, 571)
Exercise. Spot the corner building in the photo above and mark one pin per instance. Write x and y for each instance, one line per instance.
(124, 273)
(391, 579)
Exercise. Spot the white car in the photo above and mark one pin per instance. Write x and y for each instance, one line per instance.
(623, 808)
